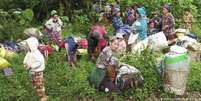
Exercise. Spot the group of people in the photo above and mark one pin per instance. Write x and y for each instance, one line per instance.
(100, 49)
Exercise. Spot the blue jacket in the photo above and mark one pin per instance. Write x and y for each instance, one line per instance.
(72, 45)
(140, 25)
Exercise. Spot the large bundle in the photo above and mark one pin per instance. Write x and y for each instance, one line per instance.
(128, 77)
(83, 44)
(9, 45)
(4, 63)
(46, 49)
(158, 41)
(7, 53)
(140, 46)
(176, 70)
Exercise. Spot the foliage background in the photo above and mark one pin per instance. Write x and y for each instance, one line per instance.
(78, 15)
(62, 83)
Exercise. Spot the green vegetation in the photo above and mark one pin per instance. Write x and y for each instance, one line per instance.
(61, 82)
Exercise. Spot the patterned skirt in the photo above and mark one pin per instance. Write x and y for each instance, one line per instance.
(54, 36)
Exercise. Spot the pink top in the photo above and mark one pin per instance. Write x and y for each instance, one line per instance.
(99, 29)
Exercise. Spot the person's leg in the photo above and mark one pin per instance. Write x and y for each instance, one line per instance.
(48, 35)
(39, 85)
(71, 61)
(56, 37)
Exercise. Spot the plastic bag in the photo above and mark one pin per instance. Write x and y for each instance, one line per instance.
(7, 54)
(46, 49)
(83, 43)
(4, 63)
(82, 51)
(158, 41)
(140, 46)
(132, 38)
(2, 52)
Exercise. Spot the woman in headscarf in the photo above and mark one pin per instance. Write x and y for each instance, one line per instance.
(168, 23)
(53, 28)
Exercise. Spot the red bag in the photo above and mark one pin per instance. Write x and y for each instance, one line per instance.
(46, 48)
(83, 43)
(62, 45)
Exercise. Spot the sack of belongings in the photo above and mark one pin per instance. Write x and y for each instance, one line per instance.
(7, 54)
(46, 49)
(181, 32)
(83, 43)
(140, 46)
(4, 63)
(128, 77)
(176, 70)
(96, 77)
(186, 41)
(158, 41)
(9, 45)
(132, 39)
(195, 51)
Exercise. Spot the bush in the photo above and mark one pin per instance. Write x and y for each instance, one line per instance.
(13, 22)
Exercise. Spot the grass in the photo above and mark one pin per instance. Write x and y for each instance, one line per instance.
(64, 84)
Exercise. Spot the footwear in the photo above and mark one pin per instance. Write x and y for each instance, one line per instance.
(45, 98)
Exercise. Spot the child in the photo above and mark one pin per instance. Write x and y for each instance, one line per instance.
(34, 62)
(71, 49)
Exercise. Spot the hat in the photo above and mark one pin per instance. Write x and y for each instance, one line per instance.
(33, 32)
(119, 35)
(53, 12)
(166, 6)
(116, 10)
